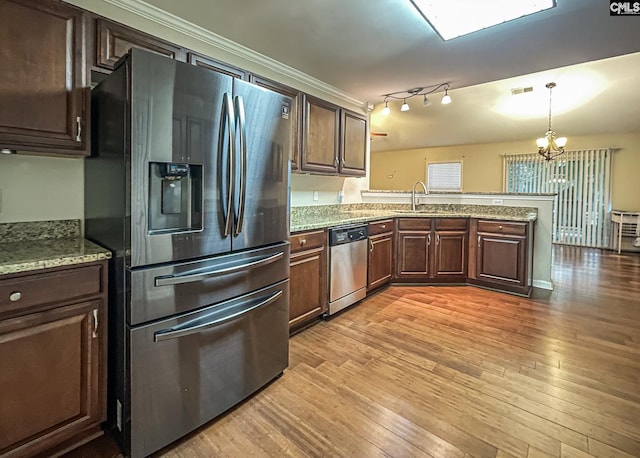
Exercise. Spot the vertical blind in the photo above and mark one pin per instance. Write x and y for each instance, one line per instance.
(581, 182)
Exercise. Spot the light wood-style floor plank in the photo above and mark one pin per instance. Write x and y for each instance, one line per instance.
(452, 371)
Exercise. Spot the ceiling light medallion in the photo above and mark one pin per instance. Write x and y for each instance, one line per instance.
(551, 146)
(423, 91)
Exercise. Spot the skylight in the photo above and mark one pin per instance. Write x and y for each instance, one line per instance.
(453, 18)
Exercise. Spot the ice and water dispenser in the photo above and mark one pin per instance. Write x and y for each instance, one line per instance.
(175, 197)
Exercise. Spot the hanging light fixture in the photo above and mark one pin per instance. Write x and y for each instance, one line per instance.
(551, 146)
(446, 98)
(424, 91)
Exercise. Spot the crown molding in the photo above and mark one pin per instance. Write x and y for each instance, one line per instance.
(203, 35)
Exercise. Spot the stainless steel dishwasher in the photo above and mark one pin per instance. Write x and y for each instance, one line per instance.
(348, 266)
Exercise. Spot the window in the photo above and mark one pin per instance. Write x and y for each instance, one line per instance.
(581, 181)
(444, 176)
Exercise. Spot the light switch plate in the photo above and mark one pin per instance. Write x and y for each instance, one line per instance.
(316, 195)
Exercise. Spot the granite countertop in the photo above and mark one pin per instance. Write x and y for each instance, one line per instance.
(482, 193)
(326, 216)
(44, 244)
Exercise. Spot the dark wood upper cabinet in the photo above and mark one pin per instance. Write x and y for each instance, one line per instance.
(114, 40)
(43, 84)
(211, 64)
(320, 136)
(353, 160)
(294, 114)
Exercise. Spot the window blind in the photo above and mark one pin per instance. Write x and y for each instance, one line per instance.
(581, 182)
(444, 176)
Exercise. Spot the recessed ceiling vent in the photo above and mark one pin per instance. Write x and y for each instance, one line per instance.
(521, 90)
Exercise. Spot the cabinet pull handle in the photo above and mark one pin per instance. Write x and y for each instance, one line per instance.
(15, 296)
(335, 161)
(383, 226)
(429, 239)
(478, 240)
(95, 323)
(437, 238)
(79, 129)
(370, 246)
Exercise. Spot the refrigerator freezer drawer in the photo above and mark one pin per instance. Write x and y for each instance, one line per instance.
(187, 370)
(160, 292)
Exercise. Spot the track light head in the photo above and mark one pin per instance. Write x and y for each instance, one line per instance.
(405, 106)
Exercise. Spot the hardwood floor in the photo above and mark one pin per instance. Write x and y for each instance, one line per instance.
(454, 372)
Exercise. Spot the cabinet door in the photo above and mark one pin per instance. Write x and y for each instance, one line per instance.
(114, 40)
(412, 252)
(354, 144)
(320, 139)
(50, 379)
(307, 286)
(44, 99)
(294, 115)
(213, 65)
(502, 259)
(380, 268)
(450, 255)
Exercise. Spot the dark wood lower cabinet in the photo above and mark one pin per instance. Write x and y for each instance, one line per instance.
(53, 367)
(380, 265)
(502, 256)
(307, 278)
(431, 250)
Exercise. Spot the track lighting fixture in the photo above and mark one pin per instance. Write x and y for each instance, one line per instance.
(423, 91)
(446, 98)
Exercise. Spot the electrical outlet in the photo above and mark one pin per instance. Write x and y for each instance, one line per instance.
(340, 196)
(497, 202)
(316, 195)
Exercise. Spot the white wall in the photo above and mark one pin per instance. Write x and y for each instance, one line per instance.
(40, 188)
(328, 187)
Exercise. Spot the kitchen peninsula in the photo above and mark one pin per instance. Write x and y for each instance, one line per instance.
(483, 245)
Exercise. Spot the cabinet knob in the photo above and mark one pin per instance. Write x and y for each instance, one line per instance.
(303, 242)
(15, 296)
(383, 226)
(499, 228)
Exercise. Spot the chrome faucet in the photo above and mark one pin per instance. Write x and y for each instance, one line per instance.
(413, 193)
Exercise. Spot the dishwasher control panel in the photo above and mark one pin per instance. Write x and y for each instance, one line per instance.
(339, 236)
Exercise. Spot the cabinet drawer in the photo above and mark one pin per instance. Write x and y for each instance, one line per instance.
(502, 227)
(378, 227)
(305, 240)
(21, 293)
(414, 224)
(451, 224)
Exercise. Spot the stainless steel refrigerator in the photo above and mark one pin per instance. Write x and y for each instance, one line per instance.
(188, 185)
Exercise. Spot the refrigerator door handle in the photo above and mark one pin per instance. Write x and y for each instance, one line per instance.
(227, 120)
(239, 107)
(220, 317)
(199, 275)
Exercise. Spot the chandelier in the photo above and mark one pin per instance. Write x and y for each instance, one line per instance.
(409, 93)
(551, 146)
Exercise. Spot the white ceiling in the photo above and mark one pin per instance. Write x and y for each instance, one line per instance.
(372, 47)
